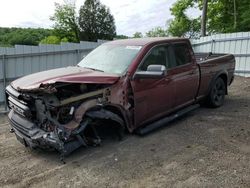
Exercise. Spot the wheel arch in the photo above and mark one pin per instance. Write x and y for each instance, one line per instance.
(223, 75)
(118, 110)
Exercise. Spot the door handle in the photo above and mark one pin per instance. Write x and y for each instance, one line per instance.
(167, 79)
(191, 73)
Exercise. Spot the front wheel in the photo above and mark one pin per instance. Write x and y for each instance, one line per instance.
(217, 93)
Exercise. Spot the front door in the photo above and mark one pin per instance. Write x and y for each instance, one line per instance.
(153, 96)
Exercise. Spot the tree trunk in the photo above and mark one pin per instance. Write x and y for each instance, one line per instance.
(204, 18)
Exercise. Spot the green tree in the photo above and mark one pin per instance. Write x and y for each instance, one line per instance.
(121, 37)
(65, 22)
(22, 36)
(96, 21)
(137, 35)
(157, 32)
(182, 25)
(64, 39)
(225, 16)
(51, 40)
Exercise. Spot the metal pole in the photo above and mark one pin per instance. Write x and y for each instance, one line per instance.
(78, 55)
(235, 16)
(204, 18)
(4, 80)
(212, 45)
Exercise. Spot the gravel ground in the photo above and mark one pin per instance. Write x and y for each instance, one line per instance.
(207, 148)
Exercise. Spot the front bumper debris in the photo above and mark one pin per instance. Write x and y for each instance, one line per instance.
(31, 136)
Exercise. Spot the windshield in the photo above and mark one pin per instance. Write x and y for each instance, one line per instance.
(108, 58)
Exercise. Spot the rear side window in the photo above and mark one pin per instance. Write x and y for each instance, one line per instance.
(182, 54)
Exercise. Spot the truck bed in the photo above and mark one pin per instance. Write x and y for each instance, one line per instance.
(212, 64)
(202, 57)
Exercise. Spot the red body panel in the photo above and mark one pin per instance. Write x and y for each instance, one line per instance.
(67, 74)
(152, 98)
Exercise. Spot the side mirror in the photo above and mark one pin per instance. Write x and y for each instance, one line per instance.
(153, 71)
(156, 68)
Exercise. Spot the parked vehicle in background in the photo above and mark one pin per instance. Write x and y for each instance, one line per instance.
(133, 84)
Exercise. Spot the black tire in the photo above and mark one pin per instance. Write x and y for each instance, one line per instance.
(217, 93)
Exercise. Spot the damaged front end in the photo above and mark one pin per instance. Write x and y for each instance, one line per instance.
(61, 116)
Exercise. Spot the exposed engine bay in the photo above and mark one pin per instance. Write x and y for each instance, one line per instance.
(62, 116)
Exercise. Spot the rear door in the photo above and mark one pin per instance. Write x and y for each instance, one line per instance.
(185, 74)
(153, 96)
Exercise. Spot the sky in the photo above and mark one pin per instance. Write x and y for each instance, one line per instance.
(130, 15)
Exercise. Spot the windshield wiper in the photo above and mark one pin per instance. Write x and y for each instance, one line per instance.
(94, 69)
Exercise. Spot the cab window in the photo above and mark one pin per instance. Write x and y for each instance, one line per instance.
(182, 55)
(157, 56)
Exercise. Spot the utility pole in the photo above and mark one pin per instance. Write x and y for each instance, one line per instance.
(204, 18)
(235, 16)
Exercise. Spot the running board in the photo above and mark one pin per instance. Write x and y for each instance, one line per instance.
(162, 122)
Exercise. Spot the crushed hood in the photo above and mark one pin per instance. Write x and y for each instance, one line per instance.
(68, 75)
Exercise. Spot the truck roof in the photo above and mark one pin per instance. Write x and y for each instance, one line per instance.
(144, 41)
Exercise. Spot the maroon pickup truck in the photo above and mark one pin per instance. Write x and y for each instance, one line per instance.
(135, 85)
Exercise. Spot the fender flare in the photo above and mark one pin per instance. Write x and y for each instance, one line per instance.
(105, 114)
(122, 113)
(222, 73)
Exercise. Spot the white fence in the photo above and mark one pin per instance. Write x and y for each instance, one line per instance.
(234, 43)
(23, 60)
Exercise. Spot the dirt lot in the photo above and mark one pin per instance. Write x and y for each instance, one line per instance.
(207, 148)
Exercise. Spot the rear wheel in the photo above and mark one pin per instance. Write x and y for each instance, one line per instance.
(217, 93)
